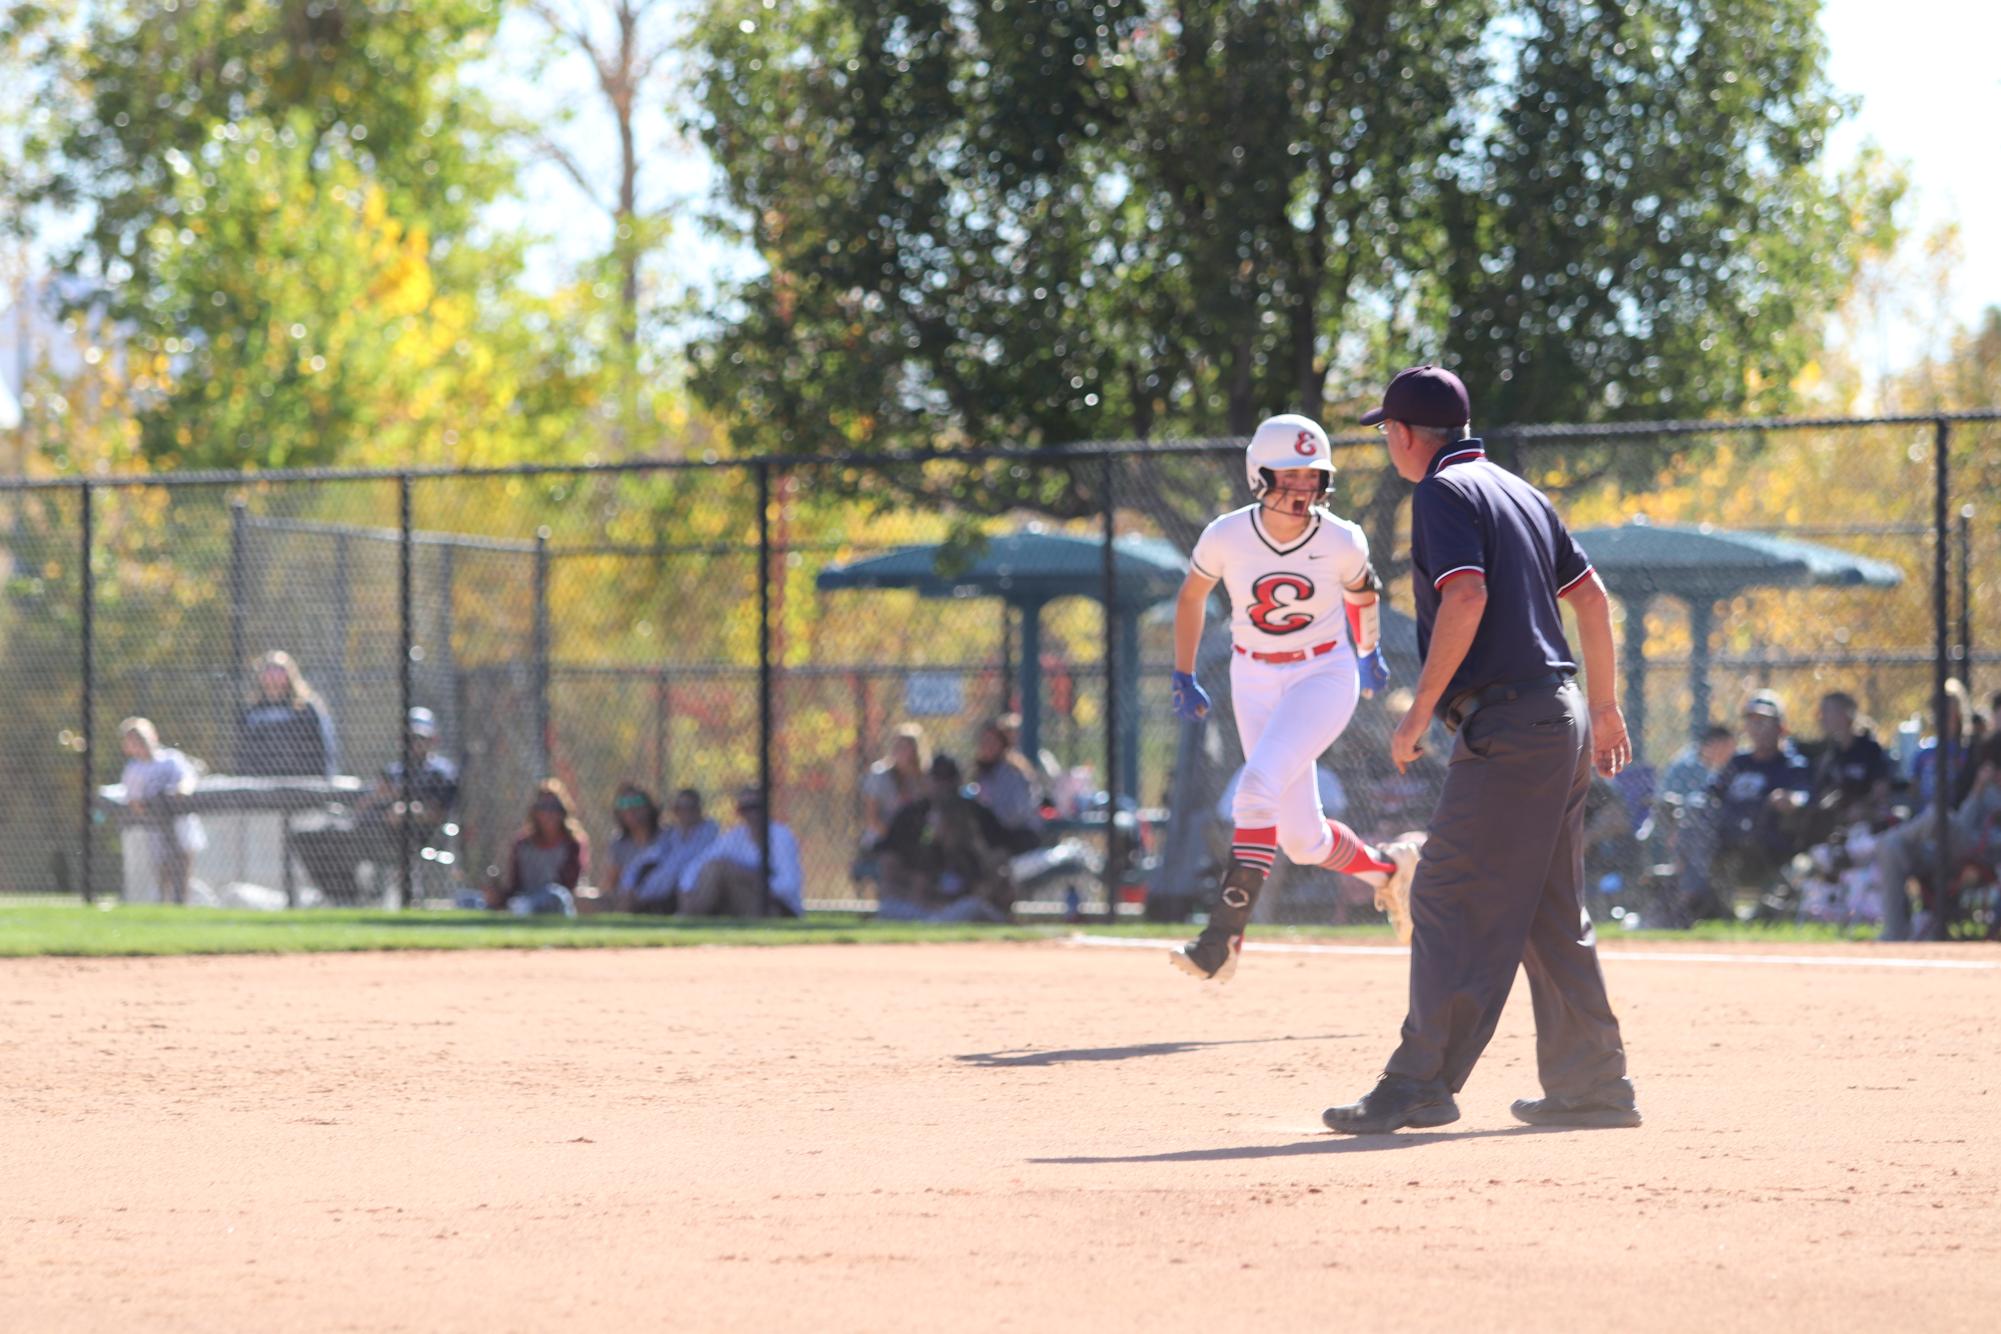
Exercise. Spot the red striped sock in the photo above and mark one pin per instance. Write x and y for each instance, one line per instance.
(1254, 847)
(1351, 855)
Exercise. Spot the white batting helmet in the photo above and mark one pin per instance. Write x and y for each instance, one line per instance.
(1286, 441)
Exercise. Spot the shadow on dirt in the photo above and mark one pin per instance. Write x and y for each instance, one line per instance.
(1329, 1143)
(1005, 1059)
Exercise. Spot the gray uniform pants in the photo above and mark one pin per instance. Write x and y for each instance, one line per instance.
(1500, 885)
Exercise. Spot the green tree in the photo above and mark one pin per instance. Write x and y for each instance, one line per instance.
(1649, 228)
(376, 80)
(297, 321)
(1031, 223)
(281, 205)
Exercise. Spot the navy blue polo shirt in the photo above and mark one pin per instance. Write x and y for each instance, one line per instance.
(1470, 516)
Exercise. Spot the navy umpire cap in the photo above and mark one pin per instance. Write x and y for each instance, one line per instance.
(1424, 396)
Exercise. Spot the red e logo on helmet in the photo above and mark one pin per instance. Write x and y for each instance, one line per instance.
(1304, 445)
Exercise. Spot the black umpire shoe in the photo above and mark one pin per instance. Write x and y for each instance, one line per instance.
(1606, 1109)
(1395, 1102)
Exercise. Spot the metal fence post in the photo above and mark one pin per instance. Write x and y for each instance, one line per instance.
(1634, 651)
(340, 638)
(764, 682)
(1115, 859)
(239, 585)
(660, 711)
(1966, 593)
(406, 631)
(543, 735)
(1701, 632)
(88, 730)
(1943, 759)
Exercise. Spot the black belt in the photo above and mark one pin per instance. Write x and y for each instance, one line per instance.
(1469, 702)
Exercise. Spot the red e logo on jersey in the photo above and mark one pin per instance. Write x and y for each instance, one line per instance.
(1304, 445)
(1267, 591)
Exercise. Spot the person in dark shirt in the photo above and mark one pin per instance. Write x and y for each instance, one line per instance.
(333, 856)
(284, 731)
(1499, 885)
(1851, 770)
(945, 856)
(1756, 801)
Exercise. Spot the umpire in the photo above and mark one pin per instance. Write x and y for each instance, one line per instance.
(1501, 878)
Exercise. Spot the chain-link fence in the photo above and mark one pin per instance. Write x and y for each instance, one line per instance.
(766, 630)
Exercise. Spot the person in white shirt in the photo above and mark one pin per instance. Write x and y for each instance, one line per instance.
(1304, 626)
(725, 881)
(153, 775)
(652, 883)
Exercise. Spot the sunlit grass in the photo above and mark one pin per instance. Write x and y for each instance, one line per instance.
(71, 929)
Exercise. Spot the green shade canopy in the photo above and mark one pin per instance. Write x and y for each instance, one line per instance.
(1026, 569)
(1023, 568)
(1701, 565)
(1640, 559)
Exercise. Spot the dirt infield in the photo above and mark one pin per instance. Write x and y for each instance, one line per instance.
(977, 1136)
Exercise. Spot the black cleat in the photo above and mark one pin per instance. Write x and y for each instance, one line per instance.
(1394, 1103)
(1212, 956)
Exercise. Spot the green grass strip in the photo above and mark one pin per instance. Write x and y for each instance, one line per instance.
(66, 929)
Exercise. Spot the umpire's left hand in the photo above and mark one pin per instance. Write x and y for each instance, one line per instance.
(1611, 749)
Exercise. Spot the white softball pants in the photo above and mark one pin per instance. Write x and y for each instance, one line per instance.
(1288, 715)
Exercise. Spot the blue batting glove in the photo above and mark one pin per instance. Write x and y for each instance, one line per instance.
(1191, 701)
(1375, 670)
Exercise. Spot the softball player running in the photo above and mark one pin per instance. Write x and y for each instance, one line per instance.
(1303, 600)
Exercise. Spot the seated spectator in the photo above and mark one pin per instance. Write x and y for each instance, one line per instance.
(548, 859)
(945, 858)
(374, 836)
(724, 878)
(154, 775)
(284, 731)
(652, 883)
(1958, 752)
(1685, 787)
(636, 818)
(1612, 854)
(893, 782)
(1004, 783)
(1851, 771)
(1910, 850)
(1751, 828)
(1693, 772)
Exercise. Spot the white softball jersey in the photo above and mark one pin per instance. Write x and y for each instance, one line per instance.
(1283, 595)
(1286, 597)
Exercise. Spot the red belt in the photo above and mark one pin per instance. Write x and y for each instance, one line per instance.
(1296, 655)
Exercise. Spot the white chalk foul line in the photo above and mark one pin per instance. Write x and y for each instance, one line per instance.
(1623, 956)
